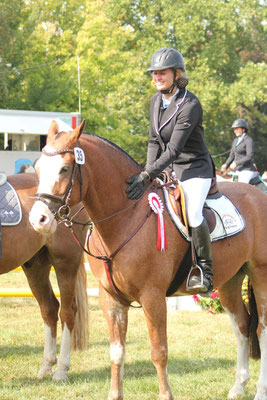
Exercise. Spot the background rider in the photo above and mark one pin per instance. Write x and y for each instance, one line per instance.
(242, 153)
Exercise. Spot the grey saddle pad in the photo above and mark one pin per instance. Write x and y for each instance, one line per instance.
(10, 207)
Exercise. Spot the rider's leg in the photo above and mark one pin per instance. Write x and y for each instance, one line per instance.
(201, 241)
(245, 176)
(196, 190)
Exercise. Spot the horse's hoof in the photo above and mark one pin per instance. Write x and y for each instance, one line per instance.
(262, 395)
(115, 396)
(235, 392)
(44, 371)
(60, 376)
(166, 396)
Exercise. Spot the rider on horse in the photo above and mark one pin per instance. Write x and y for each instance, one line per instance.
(242, 153)
(176, 142)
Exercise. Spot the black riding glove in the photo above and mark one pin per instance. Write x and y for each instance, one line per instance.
(137, 186)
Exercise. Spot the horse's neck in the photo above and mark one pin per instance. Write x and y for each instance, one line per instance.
(106, 172)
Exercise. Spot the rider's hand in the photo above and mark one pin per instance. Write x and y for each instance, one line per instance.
(223, 168)
(137, 186)
(233, 165)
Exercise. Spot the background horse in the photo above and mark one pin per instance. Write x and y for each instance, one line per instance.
(128, 235)
(36, 253)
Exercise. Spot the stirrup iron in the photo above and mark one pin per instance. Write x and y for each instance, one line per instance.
(201, 285)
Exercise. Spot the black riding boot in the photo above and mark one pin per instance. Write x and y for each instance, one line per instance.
(201, 241)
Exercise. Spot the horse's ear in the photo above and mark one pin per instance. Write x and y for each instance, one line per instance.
(76, 133)
(81, 127)
(53, 130)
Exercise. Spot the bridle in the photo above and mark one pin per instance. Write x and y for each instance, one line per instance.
(63, 212)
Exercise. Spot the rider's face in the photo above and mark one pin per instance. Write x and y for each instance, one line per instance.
(163, 79)
(239, 131)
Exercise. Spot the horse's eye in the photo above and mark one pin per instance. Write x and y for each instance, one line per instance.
(64, 170)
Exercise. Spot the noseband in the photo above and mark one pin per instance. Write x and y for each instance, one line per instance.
(64, 210)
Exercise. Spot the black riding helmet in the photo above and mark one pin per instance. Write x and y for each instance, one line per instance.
(169, 58)
(240, 123)
(166, 58)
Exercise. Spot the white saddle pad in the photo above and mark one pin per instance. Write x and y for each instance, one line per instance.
(229, 221)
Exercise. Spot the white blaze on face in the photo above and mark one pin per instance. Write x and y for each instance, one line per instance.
(41, 217)
(49, 167)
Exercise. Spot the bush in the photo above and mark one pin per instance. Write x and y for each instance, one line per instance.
(213, 305)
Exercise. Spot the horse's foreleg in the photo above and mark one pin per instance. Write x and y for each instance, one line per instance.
(154, 305)
(117, 319)
(50, 357)
(66, 284)
(231, 299)
(63, 363)
(38, 278)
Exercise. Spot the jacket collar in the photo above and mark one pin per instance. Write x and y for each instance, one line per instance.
(170, 111)
(240, 139)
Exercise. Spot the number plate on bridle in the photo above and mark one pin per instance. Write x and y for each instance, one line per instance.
(79, 155)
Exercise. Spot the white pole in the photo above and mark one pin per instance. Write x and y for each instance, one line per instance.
(79, 84)
(5, 140)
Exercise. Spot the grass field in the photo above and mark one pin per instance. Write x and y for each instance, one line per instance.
(202, 355)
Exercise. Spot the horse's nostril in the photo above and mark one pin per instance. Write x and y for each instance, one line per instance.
(42, 219)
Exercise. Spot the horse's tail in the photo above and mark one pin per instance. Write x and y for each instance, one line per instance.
(80, 332)
(254, 350)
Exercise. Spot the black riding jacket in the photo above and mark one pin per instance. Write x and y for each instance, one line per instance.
(178, 129)
(242, 154)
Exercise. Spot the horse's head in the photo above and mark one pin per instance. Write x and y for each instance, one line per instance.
(57, 169)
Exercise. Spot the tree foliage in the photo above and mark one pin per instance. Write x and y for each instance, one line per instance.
(223, 43)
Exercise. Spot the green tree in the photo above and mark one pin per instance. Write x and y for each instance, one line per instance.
(223, 43)
(37, 38)
(13, 34)
(113, 87)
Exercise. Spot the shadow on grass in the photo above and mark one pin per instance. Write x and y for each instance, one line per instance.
(25, 350)
(143, 369)
(139, 369)
(133, 372)
(181, 366)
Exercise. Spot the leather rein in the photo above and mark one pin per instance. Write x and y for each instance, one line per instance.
(62, 215)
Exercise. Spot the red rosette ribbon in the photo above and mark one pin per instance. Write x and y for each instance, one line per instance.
(157, 206)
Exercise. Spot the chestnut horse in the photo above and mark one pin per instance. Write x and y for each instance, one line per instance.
(36, 253)
(140, 273)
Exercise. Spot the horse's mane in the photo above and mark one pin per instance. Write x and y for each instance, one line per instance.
(114, 145)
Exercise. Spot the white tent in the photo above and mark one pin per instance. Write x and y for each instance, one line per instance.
(27, 130)
(32, 122)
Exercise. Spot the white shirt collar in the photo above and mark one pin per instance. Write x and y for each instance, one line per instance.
(240, 138)
(166, 102)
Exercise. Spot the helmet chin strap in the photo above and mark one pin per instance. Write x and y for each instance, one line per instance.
(168, 91)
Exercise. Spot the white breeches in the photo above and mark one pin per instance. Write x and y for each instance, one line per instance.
(245, 176)
(195, 192)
